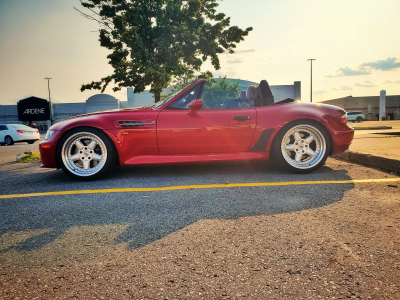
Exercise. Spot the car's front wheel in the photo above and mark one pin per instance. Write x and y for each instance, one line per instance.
(30, 142)
(85, 153)
(301, 147)
(9, 141)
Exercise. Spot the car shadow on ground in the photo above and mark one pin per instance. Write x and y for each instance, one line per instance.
(153, 215)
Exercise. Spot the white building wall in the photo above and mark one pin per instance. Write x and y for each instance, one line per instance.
(101, 102)
(282, 92)
(64, 110)
(9, 114)
(143, 99)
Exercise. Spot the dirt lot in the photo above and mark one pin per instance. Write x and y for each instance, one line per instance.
(349, 249)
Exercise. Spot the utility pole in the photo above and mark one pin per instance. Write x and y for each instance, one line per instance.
(48, 85)
(311, 59)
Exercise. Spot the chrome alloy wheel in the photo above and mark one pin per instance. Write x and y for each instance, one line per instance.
(303, 146)
(84, 154)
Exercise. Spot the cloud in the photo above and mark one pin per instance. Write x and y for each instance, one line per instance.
(235, 61)
(218, 74)
(241, 51)
(346, 71)
(366, 68)
(391, 81)
(383, 65)
(319, 92)
(246, 51)
(343, 88)
(365, 84)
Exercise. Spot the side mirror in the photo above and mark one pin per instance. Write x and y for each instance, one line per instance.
(195, 105)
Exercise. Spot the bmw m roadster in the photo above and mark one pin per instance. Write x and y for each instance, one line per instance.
(199, 124)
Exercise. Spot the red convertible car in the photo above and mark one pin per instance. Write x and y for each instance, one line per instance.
(199, 124)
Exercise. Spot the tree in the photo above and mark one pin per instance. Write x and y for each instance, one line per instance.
(217, 90)
(154, 41)
(179, 82)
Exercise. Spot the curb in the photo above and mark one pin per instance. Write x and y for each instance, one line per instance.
(373, 128)
(386, 164)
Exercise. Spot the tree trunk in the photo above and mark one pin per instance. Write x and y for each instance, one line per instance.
(156, 97)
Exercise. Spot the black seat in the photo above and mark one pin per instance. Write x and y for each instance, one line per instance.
(268, 98)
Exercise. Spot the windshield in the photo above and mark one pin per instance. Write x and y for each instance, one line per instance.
(169, 97)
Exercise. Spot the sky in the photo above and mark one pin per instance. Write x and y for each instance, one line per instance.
(355, 44)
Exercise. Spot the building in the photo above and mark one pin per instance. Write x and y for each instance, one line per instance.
(280, 92)
(369, 105)
(12, 114)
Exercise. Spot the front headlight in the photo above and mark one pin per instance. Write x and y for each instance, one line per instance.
(48, 134)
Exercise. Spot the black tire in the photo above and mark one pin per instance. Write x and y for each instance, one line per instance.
(353, 121)
(9, 141)
(359, 119)
(307, 163)
(30, 142)
(107, 152)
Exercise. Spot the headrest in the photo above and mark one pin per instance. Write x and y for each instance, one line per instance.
(251, 92)
(266, 93)
(242, 95)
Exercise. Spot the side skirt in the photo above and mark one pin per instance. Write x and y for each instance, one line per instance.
(182, 158)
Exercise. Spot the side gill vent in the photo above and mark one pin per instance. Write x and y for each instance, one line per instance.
(130, 124)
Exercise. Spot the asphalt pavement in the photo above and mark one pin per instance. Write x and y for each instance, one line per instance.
(153, 215)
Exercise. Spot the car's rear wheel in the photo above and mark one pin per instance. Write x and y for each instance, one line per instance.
(85, 153)
(301, 147)
(30, 142)
(9, 141)
(359, 119)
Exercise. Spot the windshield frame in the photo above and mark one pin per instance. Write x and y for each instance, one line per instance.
(163, 102)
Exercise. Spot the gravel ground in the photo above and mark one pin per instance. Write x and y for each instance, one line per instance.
(347, 249)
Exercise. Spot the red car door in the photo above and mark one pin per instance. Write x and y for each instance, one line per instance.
(207, 131)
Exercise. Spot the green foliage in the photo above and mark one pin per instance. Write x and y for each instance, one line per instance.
(179, 82)
(216, 91)
(154, 41)
(28, 157)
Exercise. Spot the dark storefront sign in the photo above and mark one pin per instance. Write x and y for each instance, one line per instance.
(33, 109)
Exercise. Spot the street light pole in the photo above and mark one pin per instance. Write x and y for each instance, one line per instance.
(311, 59)
(48, 85)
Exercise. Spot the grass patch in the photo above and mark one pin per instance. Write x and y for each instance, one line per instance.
(372, 128)
(29, 157)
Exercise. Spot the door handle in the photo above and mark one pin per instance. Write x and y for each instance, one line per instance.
(241, 118)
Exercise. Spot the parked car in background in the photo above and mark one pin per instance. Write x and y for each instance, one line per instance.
(16, 133)
(355, 116)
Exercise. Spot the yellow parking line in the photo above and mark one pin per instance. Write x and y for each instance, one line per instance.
(205, 186)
